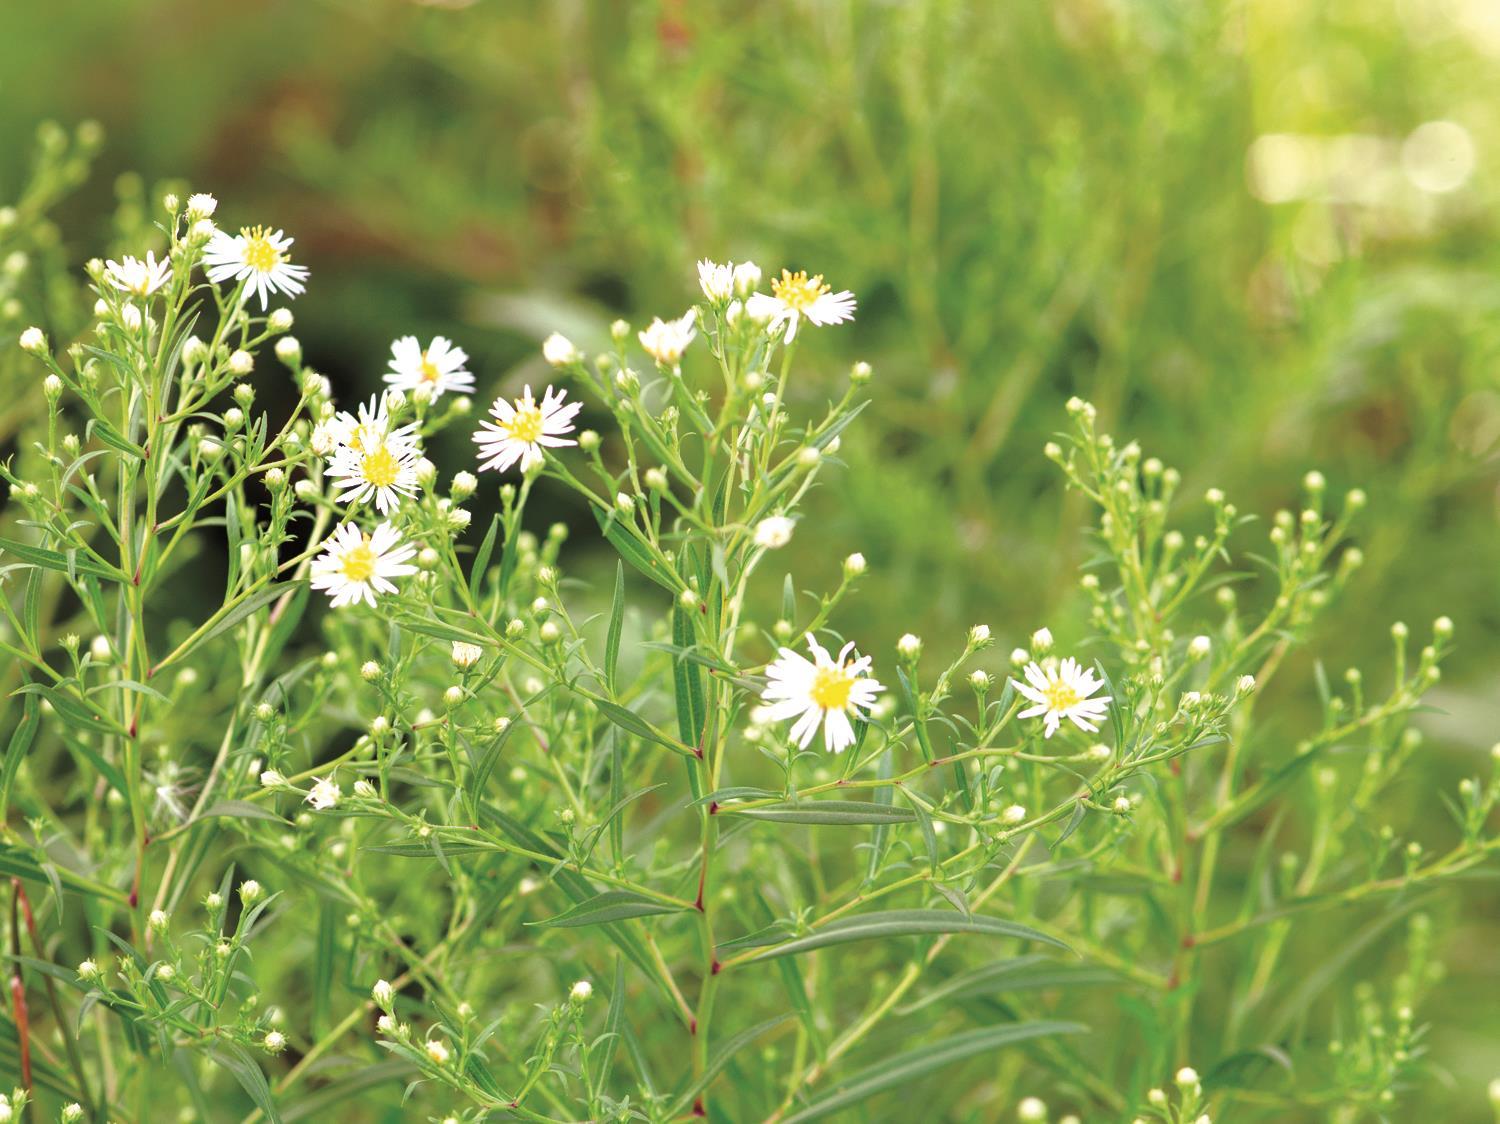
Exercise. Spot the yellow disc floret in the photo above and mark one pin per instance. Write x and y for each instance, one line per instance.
(260, 253)
(358, 564)
(526, 423)
(380, 468)
(830, 688)
(797, 290)
(1061, 696)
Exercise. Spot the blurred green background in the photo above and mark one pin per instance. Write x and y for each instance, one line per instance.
(1260, 236)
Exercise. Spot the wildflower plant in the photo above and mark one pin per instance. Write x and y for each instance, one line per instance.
(512, 844)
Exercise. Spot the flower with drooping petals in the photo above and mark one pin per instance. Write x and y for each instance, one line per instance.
(666, 340)
(439, 366)
(324, 793)
(136, 277)
(795, 295)
(716, 281)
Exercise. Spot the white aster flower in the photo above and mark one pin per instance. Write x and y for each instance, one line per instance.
(1063, 692)
(137, 277)
(666, 340)
(716, 281)
(438, 367)
(821, 691)
(258, 257)
(466, 655)
(382, 466)
(521, 428)
(773, 531)
(795, 295)
(355, 566)
(323, 794)
(370, 426)
(201, 205)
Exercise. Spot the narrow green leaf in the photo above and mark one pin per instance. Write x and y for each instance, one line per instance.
(482, 558)
(251, 604)
(827, 813)
(69, 563)
(616, 627)
(632, 551)
(239, 810)
(632, 723)
(687, 680)
(15, 751)
(718, 1060)
(904, 1068)
(237, 1061)
(612, 905)
(904, 923)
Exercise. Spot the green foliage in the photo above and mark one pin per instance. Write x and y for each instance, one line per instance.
(1278, 885)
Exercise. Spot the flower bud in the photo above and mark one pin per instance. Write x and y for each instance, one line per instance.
(909, 646)
(854, 565)
(559, 351)
(280, 320)
(1041, 641)
(288, 350)
(33, 340)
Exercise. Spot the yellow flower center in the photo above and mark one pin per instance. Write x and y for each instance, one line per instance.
(358, 564)
(1061, 696)
(259, 253)
(429, 371)
(526, 423)
(362, 435)
(831, 687)
(380, 467)
(797, 289)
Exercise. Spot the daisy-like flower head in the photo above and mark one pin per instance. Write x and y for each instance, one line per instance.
(355, 566)
(323, 794)
(1062, 692)
(257, 256)
(439, 366)
(370, 426)
(795, 295)
(375, 462)
(521, 429)
(666, 340)
(137, 277)
(820, 691)
(716, 281)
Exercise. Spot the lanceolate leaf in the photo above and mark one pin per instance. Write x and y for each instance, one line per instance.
(616, 627)
(719, 1060)
(902, 1069)
(612, 905)
(904, 923)
(831, 813)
